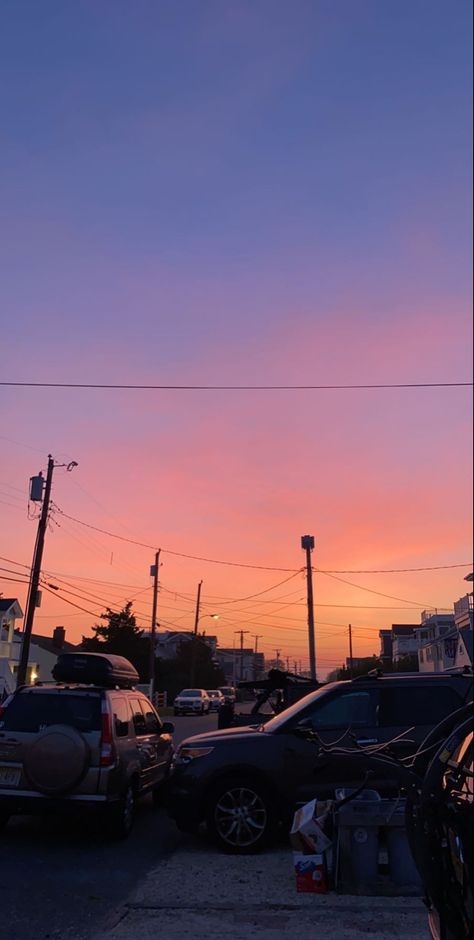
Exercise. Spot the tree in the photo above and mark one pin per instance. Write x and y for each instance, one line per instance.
(175, 674)
(119, 634)
(361, 668)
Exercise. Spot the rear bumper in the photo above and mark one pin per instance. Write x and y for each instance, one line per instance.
(27, 802)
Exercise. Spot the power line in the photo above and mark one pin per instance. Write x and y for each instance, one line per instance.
(233, 388)
(379, 593)
(167, 551)
(235, 564)
(466, 564)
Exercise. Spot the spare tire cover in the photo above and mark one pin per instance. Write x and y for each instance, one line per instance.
(56, 760)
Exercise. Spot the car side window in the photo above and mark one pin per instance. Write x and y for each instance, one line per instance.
(349, 710)
(121, 715)
(152, 721)
(138, 717)
(417, 705)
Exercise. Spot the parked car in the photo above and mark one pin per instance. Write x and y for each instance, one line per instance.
(193, 701)
(243, 781)
(90, 741)
(229, 694)
(217, 699)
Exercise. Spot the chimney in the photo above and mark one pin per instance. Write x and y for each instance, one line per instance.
(59, 635)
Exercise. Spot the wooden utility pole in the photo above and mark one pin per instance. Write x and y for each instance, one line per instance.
(195, 634)
(154, 572)
(351, 661)
(256, 637)
(35, 577)
(307, 543)
(242, 652)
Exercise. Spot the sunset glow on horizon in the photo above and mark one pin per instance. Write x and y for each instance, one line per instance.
(239, 194)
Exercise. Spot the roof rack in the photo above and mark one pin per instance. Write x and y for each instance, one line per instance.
(379, 674)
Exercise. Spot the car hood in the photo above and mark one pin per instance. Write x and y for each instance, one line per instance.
(218, 737)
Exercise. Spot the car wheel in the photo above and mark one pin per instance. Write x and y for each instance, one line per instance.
(4, 817)
(122, 815)
(241, 816)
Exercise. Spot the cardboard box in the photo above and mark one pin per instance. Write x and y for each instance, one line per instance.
(310, 847)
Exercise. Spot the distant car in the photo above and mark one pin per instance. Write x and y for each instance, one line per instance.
(229, 694)
(217, 699)
(193, 701)
(90, 741)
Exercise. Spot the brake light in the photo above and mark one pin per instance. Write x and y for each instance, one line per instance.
(107, 755)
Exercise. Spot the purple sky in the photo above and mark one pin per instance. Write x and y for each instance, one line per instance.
(241, 192)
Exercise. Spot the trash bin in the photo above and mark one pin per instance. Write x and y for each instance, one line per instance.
(402, 868)
(358, 837)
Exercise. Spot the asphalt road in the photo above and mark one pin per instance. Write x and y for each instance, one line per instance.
(64, 879)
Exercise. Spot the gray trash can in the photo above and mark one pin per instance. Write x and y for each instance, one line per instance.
(358, 838)
(403, 870)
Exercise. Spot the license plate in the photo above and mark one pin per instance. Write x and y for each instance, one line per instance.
(9, 776)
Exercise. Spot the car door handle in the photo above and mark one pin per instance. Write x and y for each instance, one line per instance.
(363, 741)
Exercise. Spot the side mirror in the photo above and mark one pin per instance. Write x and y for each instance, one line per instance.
(167, 728)
(121, 728)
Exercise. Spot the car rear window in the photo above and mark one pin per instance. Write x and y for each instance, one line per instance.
(32, 711)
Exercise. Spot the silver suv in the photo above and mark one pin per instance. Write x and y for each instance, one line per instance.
(84, 744)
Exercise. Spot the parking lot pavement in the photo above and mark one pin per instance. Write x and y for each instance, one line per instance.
(59, 880)
(200, 894)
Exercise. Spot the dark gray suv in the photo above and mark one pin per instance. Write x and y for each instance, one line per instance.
(88, 744)
(244, 780)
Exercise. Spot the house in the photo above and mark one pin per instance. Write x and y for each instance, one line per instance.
(446, 639)
(397, 642)
(238, 664)
(168, 641)
(10, 612)
(43, 654)
(464, 648)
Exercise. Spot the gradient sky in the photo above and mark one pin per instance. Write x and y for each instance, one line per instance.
(229, 193)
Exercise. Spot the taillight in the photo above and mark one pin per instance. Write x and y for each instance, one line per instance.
(106, 742)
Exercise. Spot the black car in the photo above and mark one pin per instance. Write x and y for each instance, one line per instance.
(243, 781)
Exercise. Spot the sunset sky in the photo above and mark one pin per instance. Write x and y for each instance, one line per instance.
(238, 193)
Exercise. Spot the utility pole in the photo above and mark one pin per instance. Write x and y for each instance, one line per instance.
(287, 664)
(277, 665)
(242, 652)
(256, 637)
(195, 634)
(351, 661)
(36, 567)
(307, 543)
(154, 572)
(295, 667)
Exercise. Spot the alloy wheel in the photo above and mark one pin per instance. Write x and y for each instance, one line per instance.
(240, 817)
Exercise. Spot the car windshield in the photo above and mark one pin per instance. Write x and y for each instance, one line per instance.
(32, 711)
(276, 723)
(226, 690)
(190, 693)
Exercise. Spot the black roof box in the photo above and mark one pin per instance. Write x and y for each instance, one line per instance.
(102, 669)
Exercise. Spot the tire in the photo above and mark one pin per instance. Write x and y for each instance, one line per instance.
(122, 815)
(4, 817)
(241, 816)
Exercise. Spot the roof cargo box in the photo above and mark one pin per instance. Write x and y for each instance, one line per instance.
(102, 669)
